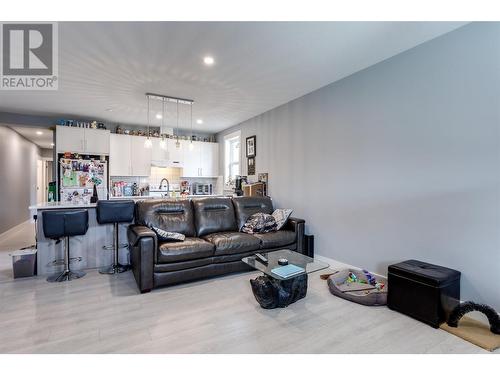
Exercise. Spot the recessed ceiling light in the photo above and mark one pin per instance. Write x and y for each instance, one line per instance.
(158, 116)
(109, 109)
(52, 144)
(39, 132)
(199, 121)
(208, 60)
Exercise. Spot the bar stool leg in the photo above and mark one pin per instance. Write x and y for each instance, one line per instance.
(67, 274)
(115, 267)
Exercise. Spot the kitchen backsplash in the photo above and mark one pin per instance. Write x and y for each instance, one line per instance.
(173, 175)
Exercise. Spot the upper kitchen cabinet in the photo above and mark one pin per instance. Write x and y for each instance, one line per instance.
(202, 160)
(140, 156)
(159, 156)
(210, 159)
(128, 156)
(119, 155)
(97, 141)
(82, 140)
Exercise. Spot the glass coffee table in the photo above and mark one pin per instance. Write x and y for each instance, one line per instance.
(274, 290)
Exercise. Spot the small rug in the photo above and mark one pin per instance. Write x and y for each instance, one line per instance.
(475, 332)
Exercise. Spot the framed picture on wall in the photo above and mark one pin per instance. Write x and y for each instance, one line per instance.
(251, 146)
(251, 166)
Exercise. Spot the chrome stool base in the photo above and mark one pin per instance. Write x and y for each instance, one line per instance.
(114, 268)
(65, 276)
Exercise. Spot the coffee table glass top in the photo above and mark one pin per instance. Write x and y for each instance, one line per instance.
(297, 259)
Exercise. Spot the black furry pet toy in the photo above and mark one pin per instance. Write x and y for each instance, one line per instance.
(466, 307)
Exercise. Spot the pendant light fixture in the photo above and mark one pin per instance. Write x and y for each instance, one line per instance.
(191, 145)
(163, 142)
(177, 142)
(148, 143)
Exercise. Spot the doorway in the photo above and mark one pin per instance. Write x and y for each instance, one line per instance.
(40, 181)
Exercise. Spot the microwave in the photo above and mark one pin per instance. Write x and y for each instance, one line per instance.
(202, 189)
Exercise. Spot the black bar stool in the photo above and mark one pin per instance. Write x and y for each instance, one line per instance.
(59, 224)
(115, 212)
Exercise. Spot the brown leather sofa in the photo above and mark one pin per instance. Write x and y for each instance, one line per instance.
(213, 244)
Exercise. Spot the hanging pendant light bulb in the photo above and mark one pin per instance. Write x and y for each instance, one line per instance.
(148, 143)
(163, 142)
(177, 142)
(191, 144)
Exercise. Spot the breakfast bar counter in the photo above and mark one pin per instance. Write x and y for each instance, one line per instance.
(88, 246)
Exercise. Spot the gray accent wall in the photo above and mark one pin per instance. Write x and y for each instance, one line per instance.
(18, 159)
(398, 161)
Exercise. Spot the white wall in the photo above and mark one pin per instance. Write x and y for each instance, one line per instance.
(399, 161)
(18, 158)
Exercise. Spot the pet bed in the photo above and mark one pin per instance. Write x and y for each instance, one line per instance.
(359, 286)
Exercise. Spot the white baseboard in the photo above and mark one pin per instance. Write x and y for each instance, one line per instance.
(336, 265)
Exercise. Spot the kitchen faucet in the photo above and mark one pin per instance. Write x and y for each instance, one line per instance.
(168, 184)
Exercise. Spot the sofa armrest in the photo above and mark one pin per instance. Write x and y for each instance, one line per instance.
(143, 244)
(298, 226)
(136, 232)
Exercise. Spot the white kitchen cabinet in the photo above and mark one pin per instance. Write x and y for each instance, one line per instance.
(128, 156)
(119, 155)
(202, 160)
(192, 157)
(97, 141)
(70, 139)
(159, 155)
(209, 163)
(82, 140)
(140, 157)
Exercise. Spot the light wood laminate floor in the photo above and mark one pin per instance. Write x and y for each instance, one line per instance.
(106, 314)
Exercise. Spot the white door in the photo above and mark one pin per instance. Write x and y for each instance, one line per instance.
(140, 156)
(40, 181)
(97, 141)
(70, 139)
(119, 155)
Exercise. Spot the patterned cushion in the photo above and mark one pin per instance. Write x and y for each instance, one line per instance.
(281, 216)
(163, 235)
(259, 223)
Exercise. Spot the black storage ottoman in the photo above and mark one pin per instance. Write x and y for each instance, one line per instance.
(423, 291)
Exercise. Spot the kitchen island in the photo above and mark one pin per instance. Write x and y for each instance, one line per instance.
(88, 246)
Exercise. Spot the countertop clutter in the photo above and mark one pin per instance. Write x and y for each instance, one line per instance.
(64, 205)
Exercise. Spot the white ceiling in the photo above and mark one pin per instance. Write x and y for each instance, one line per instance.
(43, 140)
(258, 65)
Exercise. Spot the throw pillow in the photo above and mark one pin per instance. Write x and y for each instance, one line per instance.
(281, 216)
(164, 235)
(259, 223)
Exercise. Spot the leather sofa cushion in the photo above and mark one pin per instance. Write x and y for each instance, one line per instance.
(213, 215)
(275, 239)
(177, 266)
(190, 248)
(232, 242)
(167, 214)
(247, 206)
